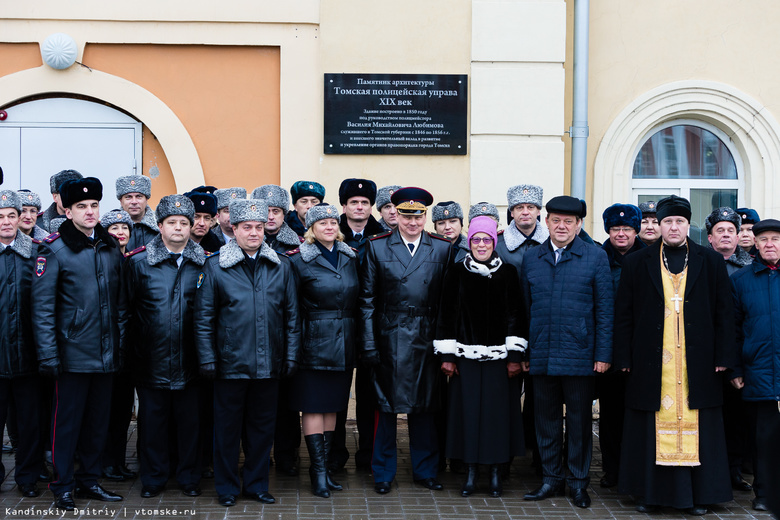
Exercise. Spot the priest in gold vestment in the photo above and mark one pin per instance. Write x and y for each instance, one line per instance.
(674, 336)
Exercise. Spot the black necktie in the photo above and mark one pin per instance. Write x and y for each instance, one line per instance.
(6, 250)
(358, 236)
(175, 258)
(411, 247)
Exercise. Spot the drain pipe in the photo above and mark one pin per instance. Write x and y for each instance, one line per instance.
(578, 131)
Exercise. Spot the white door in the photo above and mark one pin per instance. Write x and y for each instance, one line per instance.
(43, 137)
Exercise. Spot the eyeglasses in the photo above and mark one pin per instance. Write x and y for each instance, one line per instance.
(625, 230)
(481, 240)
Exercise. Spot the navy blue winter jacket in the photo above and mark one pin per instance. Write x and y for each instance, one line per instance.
(570, 309)
(756, 291)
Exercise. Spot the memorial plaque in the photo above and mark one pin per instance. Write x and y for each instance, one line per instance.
(398, 114)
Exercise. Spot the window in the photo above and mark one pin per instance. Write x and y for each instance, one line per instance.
(693, 160)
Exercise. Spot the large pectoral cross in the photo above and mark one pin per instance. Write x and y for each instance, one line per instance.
(676, 301)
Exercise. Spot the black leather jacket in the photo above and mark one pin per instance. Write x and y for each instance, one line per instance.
(162, 301)
(247, 321)
(80, 301)
(17, 350)
(328, 299)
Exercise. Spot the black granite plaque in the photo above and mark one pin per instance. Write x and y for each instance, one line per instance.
(400, 114)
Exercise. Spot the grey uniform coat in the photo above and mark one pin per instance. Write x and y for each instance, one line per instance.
(399, 304)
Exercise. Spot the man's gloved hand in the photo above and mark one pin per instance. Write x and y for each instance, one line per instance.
(49, 367)
(290, 368)
(208, 370)
(370, 359)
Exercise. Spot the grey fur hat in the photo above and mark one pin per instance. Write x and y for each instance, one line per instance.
(248, 209)
(175, 205)
(133, 184)
(116, 216)
(446, 210)
(29, 198)
(724, 214)
(56, 180)
(483, 208)
(524, 194)
(383, 195)
(320, 212)
(275, 196)
(228, 195)
(10, 199)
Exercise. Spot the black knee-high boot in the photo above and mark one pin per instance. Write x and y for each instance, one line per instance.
(332, 484)
(318, 471)
(470, 484)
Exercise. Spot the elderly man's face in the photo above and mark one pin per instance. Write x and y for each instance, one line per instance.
(768, 245)
(563, 228)
(723, 238)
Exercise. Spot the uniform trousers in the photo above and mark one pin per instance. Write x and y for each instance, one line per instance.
(122, 401)
(82, 402)
(23, 391)
(156, 409)
(287, 438)
(765, 422)
(365, 415)
(251, 402)
(423, 446)
(550, 394)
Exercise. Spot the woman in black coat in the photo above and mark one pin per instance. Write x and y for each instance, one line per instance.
(479, 338)
(328, 288)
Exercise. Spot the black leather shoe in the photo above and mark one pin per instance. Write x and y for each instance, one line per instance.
(740, 484)
(65, 501)
(644, 507)
(191, 490)
(45, 476)
(29, 490)
(580, 497)
(697, 510)
(227, 500)
(759, 504)
(430, 483)
(97, 492)
(382, 488)
(608, 481)
(127, 472)
(545, 491)
(151, 491)
(113, 473)
(263, 497)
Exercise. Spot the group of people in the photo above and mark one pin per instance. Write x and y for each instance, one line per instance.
(239, 322)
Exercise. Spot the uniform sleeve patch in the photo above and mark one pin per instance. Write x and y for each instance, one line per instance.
(201, 277)
(40, 266)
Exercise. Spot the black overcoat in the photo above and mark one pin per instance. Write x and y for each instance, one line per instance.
(708, 309)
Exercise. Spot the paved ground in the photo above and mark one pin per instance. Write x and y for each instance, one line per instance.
(358, 501)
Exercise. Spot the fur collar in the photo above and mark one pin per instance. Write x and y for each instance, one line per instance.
(22, 245)
(740, 258)
(463, 242)
(150, 220)
(156, 252)
(231, 254)
(513, 238)
(287, 236)
(77, 241)
(39, 233)
(310, 251)
(482, 269)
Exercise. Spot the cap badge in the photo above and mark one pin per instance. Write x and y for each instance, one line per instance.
(311, 186)
(484, 208)
(233, 195)
(744, 216)
(5, 197)
(29, 197)
(725, 213)
(525, 191)
(329, 211)
(392, 191)
(254, 208)
(178, 204)
(132, 183)
(360, 185)
(270, 193)
(651, 205)
(203, 203)
(622, 214)
(86, 189)
(446, 212)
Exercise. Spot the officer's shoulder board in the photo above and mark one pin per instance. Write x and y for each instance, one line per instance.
(440, 237)
(353, 249)
(36, 241)
(135, 251)
(51, 238)
(380, 235)
(301, 239)
(500, 232)
(292, 252)
(209, 255)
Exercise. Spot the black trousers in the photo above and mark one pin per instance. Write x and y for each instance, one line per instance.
(251, 403)
(765, 423)
(365, 415)
(550, 394)
(82, 403)
(206, 418)
(736, 421)
(287, 438)
(122, 400)
(157, 408)
(23, 392)
(611, 393)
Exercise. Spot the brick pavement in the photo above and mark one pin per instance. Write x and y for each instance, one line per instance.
(358, 501)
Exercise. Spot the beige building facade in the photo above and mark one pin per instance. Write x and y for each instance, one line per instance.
(231, 94)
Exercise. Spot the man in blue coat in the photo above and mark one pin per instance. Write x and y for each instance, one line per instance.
(756, 297)
(568, 290)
